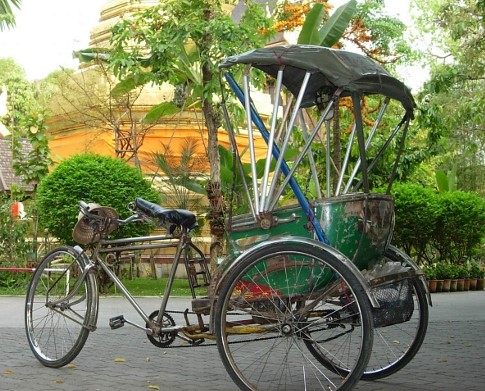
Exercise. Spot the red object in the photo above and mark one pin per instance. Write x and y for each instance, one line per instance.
(18, 210)
(15, 209)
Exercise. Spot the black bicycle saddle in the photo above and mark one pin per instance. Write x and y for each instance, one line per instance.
(172, 217)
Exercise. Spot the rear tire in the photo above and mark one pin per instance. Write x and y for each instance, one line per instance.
(395, 345)
(58, 318)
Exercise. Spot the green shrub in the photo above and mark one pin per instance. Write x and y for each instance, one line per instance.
(430, 271)
(460, 225)
(448, 226)
(15, 247)
(443, 271)
(475, 270)
(415, 218)
(91, 178)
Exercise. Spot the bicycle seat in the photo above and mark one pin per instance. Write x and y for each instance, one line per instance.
(171, 217)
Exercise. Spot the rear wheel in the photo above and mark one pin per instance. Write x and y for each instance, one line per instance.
(395, 345)
(61, 307)
(278, 300)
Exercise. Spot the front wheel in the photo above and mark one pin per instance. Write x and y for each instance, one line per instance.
(278, 300)
(61, 307)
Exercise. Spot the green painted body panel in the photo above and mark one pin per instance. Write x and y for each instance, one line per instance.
(358, 225)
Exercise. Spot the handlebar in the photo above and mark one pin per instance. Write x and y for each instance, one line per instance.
(135, 217)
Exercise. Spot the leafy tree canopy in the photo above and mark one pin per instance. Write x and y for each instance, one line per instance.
(170, 42)
(454, 97)
(21, 94)
(9, 69)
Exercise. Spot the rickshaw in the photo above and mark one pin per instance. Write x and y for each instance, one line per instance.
(311, 295)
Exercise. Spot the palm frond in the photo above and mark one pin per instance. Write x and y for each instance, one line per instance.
(7, 18)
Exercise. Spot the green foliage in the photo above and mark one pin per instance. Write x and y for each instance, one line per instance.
(328, 34)
(173, 41)
(14, 283)
(443, 270)
(183, 184)
(415, 218)
(9, 69)
(14, 245)
(446, 227)
(430, 271)
(388, 41)
(7, 18)
(34, 166)
(460, 225)
(91, 178)
(454, 98)
(475, 270)
(21, 94)
(446, 181)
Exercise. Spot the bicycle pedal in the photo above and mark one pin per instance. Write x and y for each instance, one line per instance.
(117, 322)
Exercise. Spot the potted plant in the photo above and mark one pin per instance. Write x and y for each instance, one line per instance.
(463, 284)
(480, 279)
(430, 272)
(442, 273)
(474, 271)
(453, 271)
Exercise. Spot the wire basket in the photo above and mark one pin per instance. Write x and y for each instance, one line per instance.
(396, 303)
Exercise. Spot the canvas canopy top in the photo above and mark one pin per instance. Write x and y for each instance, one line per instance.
(331, 70)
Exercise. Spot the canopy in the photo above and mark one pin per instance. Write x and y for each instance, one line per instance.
(331, 69)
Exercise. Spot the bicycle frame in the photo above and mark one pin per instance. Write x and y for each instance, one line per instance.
(182, 243)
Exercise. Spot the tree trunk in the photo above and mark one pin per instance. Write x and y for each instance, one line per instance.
(213, 188)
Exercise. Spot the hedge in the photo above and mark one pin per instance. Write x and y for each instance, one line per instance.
(438, 226)
(91, 178)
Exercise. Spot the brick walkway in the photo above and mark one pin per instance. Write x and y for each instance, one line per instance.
(451, 358)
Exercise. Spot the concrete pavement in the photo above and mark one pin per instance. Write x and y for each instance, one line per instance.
(451, 358)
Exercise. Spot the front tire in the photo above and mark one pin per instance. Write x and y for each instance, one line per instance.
(59, 316)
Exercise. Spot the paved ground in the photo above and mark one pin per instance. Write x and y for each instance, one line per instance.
(452, 357)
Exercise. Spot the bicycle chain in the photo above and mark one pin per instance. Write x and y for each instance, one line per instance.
(212, 344)
(215, 344)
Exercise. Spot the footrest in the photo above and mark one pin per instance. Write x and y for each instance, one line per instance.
(117, 322)
(201, 305)
(198, 273)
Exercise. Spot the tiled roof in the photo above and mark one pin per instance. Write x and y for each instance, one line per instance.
(7, 174)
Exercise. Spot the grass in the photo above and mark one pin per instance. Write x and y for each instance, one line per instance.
(16, 284)
(151, 287)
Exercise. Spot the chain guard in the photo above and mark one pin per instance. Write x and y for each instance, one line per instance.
(165, 338)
